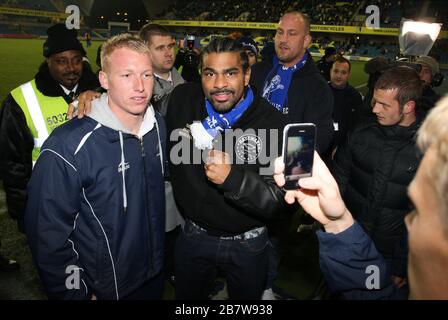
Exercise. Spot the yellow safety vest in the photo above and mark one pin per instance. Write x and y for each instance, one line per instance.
(43, 114)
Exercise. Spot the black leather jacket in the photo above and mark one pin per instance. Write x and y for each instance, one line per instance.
(246, 199)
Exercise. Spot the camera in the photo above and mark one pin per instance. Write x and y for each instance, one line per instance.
(190, 56)
(190, 42)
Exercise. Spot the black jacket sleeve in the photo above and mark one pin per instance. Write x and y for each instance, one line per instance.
(256, 194)
(353, 267)
(342, 166)
(320, 112)
(16, 145)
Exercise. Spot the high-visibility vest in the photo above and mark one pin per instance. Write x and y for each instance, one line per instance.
(43, 114)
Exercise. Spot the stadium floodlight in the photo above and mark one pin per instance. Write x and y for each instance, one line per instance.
(417, 38)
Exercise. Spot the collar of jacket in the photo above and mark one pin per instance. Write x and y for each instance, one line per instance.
(309, 67)
(163, 87)
(397, 132)
(110, 134)
(51, 88)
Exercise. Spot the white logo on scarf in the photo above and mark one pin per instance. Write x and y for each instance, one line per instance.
(248, 147)
(273, 85)
(212, 122)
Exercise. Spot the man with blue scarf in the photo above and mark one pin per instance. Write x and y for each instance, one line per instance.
(222, 140)
(294, 86)
(292, 83)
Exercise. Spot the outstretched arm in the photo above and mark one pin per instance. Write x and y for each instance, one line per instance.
(319, 196)
(348, 258)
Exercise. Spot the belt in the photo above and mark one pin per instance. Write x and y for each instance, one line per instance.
(253, 233)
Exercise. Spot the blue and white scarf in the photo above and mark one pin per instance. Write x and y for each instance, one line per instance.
(205, 131)
(278, 80)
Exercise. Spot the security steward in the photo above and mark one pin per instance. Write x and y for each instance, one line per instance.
(31, 111)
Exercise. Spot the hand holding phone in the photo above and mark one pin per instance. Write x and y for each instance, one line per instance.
(299, 141)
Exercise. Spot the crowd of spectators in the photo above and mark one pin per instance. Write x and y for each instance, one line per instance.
(324, 12)
(29, 4)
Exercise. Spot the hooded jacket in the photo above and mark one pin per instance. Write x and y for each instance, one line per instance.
(16, 140)
(309, 99)
(246, 200)
(96, 205)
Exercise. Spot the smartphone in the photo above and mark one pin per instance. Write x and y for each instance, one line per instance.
(299, 142)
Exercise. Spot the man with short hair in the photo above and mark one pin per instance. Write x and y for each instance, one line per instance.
(347, 100)
(348, 257)
(292, 83)
(378, 161)
(224, 194)
(31, 111)
(161, 45)
(95, 216)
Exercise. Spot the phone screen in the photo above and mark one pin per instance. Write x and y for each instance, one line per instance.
(299, 152)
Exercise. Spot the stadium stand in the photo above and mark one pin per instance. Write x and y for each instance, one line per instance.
(29, 4)
(325, 12)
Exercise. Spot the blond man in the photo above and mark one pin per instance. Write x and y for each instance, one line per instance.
(95, 216)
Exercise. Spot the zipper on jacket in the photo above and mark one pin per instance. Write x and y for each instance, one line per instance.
(148, 212)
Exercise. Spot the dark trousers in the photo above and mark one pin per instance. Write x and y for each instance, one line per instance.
(199, 256)
(170, 244)
(150, 290)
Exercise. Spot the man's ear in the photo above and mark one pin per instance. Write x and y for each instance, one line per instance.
(307, 41)
(102, 76)
(409, 107)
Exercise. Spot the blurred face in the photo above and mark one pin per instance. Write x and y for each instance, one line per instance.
(129, 80)
(252, 57)
(340, 72)
(386, 107)
(162, 53)
(426, 75)
(66, 67)
(291, 41)
(428, 241)
(223, 79)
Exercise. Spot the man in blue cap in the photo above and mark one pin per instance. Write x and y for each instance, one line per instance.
(251, 49)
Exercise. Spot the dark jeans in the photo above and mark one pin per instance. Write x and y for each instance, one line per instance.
(170, 244)
(150, 290)
(199, 256)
